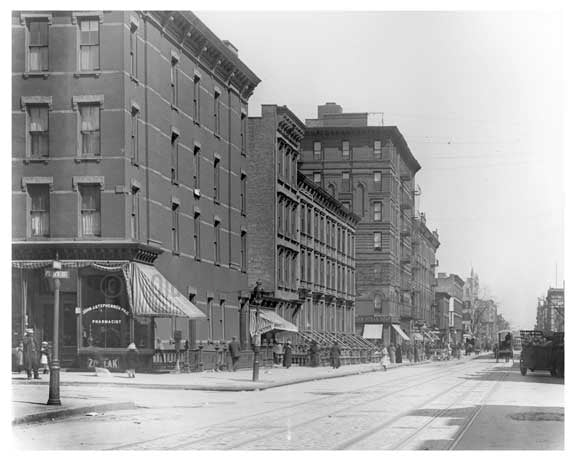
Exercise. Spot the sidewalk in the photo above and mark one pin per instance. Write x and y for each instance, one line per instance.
(29, 396)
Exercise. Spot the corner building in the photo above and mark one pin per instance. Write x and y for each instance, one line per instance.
(302, 238)
(129, 165)
(371, 170)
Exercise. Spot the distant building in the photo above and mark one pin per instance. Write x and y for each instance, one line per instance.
(129, 165)
(550, 314)
(471, 291)
(453, 285)
(486, 316)
(302, 238)
(370, 169)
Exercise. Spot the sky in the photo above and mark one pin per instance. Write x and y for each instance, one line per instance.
(478, 97)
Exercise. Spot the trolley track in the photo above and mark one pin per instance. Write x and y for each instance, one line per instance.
(228, 436)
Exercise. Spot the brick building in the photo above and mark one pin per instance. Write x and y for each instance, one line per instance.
(302, 247)
(550, 314)
(129, 165)
(370, 169)
(453, 286)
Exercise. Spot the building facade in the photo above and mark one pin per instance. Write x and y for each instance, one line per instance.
(453, 286)
(129, 157)
(550, 314)
(370, 169)
(302, 247)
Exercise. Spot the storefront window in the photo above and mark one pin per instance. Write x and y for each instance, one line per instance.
(105, 311)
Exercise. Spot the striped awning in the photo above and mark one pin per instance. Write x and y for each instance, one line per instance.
(400, 332)
(151, 294)
(267, 321)
(107, 266)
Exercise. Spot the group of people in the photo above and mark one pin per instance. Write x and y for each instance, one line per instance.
(30, 357)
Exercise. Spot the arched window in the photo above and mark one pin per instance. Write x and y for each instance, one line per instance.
(378, 303)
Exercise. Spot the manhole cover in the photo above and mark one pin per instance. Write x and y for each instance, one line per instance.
(537, 416)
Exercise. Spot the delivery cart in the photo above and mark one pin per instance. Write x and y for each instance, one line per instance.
(542, 352)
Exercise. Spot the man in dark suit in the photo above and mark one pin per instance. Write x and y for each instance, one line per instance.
(234, 348)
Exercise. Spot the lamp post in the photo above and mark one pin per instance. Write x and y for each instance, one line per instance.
(257, 300)
(54, 391)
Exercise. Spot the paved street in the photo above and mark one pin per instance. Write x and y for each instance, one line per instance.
(474, 404)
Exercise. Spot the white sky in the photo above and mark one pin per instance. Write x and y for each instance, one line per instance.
(478, 97)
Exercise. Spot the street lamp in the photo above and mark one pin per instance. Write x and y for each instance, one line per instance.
(54, 391)
(256, 299)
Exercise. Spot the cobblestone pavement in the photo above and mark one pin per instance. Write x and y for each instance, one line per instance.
(428, 407)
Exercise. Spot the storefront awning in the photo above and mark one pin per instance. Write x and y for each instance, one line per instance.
(153, 295)
(268, 321)
(418, 337)
(400, 332)
(372, 331)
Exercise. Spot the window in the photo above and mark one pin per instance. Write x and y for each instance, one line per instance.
(216, 112)
(243, 263)
(216, 179)
(90, 210)
(294, 208)
(317, 149)
(309, 267)
(293, 267)
(134, 215)
(346, 149)
(174, 80)
(280, 216)
(316, 270)
(38, 45)
(377, 240)
(89, 44)
(378, 303)
(316, 218)
(309, 222)
(302, 219)
(317, 178)
(134, 135)
(288, 166)
(281, 267)
(287, 218)
(332, 190)
(133, 49)
(287, 271)
(39, 210)
(346, 181)
(378, 149)
(322, 272)
(243, 132)
(175, 228)
(217, 242)
(243, 193)
(303, 267)
(294, 169)
(346, 204)
(377, 211)
(196, 173)
(280, 160)
(38, 140)
(174, 154)
(89, 128)
(196, 101)
(378, 181)
(197, 235)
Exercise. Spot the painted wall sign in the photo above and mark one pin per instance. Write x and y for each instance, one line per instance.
(104, 363)
(105, 306)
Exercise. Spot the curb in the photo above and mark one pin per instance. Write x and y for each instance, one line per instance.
(238, 388)
(66, 412)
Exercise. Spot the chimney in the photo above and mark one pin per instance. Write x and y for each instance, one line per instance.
(230, 47)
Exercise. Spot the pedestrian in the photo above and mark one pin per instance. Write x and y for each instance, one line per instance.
(131, 360)
(30, 349)
(277, 353)
(234, 349)
(20, 358)
(385, 361)
(416, 353)
(313, 354)
(288, 354)
(335, 355)
(44, 357)
(410, 349)
(398, 354)
(392, 353)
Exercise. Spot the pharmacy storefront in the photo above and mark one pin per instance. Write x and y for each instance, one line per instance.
(104, 306)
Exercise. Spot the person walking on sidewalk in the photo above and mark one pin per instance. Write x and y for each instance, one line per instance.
(385, 361)
(20, 358)
(392, 353)
(288, 354)
(277, 353)
(234, 349)
(313, 354)
(30, 348)
(131, 360)
(335, 355)
(398, 354)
